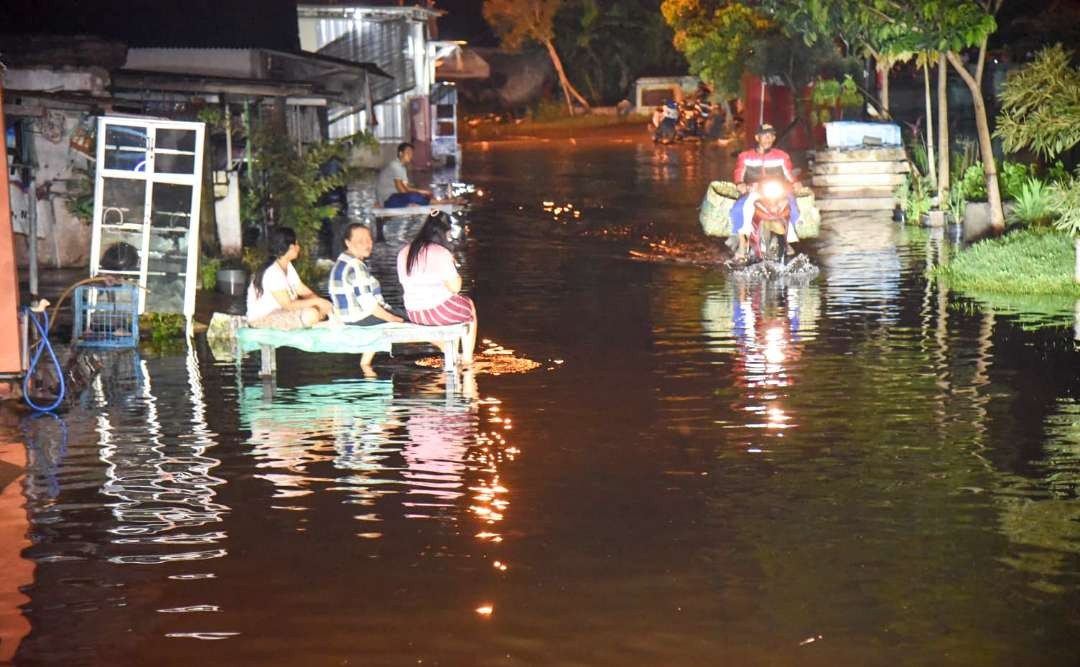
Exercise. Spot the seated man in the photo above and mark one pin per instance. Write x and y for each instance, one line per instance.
(354, 292)
(392, 189)
(753, 166)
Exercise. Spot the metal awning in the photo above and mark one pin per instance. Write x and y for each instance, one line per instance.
(249, 73)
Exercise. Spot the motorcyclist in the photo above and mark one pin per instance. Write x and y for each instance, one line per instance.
(665, 133)
(754, 165)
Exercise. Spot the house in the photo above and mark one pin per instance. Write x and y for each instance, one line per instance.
(409, 106)
(57, 86)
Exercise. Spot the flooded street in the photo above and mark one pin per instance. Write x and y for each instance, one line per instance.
(865, 469)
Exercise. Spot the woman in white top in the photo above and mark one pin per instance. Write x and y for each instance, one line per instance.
(276, 297)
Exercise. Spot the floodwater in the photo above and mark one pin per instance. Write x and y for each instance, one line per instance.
(862, 470)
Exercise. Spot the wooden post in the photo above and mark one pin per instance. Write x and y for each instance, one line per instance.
(267, 361)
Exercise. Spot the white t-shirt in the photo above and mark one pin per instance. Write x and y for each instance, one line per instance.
(274, 280)
(425, 287)
(384, 186)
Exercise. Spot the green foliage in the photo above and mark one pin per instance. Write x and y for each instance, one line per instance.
(777, 55)
(208, 268)
(163, 326)
(914, 196)
(79, 196)
(1065, 203)
(1023, 262)
(287, 187)
(253, 258)
(716, 37)
(363, 139)
(956, 203)
(607, 44)
(214, 117)
(858, 23)
(920, 159)
(548, 110)
(1057, 173)
(964, 155)
(518, 22)
(1013, 176)
(1040, 105)
(1033, 203)
(973, 183)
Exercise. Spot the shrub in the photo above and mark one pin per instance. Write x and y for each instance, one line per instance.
(973, 183)
(1064, 201)
(1033, 203)
(1013, 177)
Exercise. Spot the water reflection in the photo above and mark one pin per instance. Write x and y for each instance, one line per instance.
(164, 488)
(860, 264)
(765, 325)
(16, 572)
(416, 452)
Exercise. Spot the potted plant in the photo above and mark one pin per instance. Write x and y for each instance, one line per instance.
(977, 207)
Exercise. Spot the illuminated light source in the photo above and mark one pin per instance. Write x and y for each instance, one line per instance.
(772, 189)
(485, 609)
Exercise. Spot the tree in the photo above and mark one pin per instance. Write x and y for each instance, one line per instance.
(716, 36)
(606, 44)
(519, 21)
(849, 21)
(950, 27)
(797, 64)
(1040, 105)
(1040, 111)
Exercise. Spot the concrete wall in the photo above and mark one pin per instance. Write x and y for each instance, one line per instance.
(63, 240)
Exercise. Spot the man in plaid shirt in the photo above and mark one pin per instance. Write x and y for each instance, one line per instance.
(355, 293)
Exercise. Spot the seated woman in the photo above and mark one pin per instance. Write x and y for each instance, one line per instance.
(276, 297)
(431, 284)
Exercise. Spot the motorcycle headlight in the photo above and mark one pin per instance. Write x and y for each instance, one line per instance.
(772, 190)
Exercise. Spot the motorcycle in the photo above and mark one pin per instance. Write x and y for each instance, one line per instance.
(772, 213)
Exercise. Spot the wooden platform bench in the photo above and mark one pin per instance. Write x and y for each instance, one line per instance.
(382, 214)
(347, 340)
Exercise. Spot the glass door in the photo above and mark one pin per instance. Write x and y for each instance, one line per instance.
(146, 209)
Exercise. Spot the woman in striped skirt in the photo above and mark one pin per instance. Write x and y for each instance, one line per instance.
(431, 282)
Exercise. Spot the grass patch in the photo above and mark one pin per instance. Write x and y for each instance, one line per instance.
(1021, 263)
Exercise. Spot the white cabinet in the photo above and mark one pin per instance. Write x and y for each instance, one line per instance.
(147, 194)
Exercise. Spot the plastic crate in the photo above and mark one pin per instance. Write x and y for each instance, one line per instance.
(106, 316)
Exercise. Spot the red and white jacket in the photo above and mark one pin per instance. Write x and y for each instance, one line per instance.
(753, 166)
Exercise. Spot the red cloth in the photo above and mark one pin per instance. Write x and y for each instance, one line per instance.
(454, 310)
(753, 166)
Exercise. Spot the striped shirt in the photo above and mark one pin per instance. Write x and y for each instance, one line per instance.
(753, 166)
(353, 290)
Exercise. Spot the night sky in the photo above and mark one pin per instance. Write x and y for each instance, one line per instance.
(238, 23)
(272, 23)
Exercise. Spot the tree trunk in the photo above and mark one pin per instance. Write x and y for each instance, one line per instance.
(729, 116)
(931, 161)
(568, 88)
(1076, 273)
(885, 92)
(944, 144)
(986, 150)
